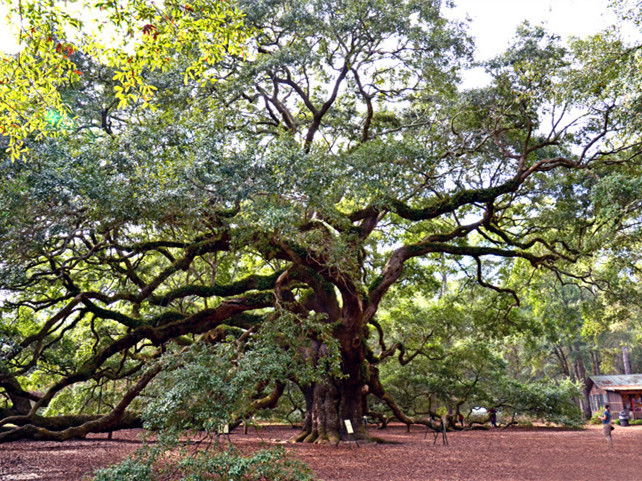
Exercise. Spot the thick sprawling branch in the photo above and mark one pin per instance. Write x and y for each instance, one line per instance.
(198, 323)
(40, 433)
(450, 203)
(252, 282)
(318, 116)
(378, 390)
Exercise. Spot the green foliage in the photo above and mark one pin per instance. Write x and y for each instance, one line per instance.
(595, 419)
(467, 361)
(83, 398)
(229, 466)
(131, 469)
(215, 465)
(133, 37)
(543, 399)
(331, 204)
(204, 386)
(628, 10)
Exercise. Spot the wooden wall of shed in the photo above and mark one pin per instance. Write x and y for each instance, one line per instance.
(597, 397)
(615, 400)
(600, 397)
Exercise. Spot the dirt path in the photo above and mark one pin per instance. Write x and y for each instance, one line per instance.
(497, 455)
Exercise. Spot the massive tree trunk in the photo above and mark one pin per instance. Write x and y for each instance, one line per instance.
(329, 404)
(334, 400)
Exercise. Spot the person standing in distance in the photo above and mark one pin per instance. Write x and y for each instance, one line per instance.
(606, 424)
(493, 417)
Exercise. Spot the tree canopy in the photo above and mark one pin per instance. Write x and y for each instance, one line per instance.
(331, 193)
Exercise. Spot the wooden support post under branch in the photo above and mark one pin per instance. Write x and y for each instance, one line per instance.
(441, 430)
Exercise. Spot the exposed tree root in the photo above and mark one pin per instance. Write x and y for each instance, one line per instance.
(312, 437)
(300, 437)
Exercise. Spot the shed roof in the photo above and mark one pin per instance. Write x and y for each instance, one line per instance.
(618, 382)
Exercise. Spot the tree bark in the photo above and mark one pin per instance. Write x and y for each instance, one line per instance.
(329, 404)
(21, 400)
(128, 420)
(596, 363)
(626, 360)
(332, 401)
(585, 402)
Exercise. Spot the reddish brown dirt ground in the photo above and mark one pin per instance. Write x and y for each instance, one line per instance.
(497, 455)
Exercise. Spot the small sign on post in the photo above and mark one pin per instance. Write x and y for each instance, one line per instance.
(223, 430)
(348, 424)
(349, 431)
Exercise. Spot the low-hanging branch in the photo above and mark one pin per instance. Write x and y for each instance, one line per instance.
(38, 432)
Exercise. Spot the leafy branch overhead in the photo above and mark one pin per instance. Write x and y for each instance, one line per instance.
(133, 38)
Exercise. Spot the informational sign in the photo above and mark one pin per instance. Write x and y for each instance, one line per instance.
(224, 429)
(348, 424)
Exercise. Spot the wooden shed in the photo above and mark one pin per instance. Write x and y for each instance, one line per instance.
(622, 391)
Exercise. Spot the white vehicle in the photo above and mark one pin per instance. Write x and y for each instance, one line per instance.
(479, 411)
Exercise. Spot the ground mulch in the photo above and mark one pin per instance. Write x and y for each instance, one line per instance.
(514, 454)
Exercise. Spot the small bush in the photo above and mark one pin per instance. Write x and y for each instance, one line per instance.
(635, 422)
(595, 419)
(130, 469)
(273, 465)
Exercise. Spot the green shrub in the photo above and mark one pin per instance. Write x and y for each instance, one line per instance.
(595, 419)
(201, 388)
(228, 465)
(130, 470)
(635, 422)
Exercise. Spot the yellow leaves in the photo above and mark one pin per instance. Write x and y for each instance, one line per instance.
(29, 90)
(134, 37)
